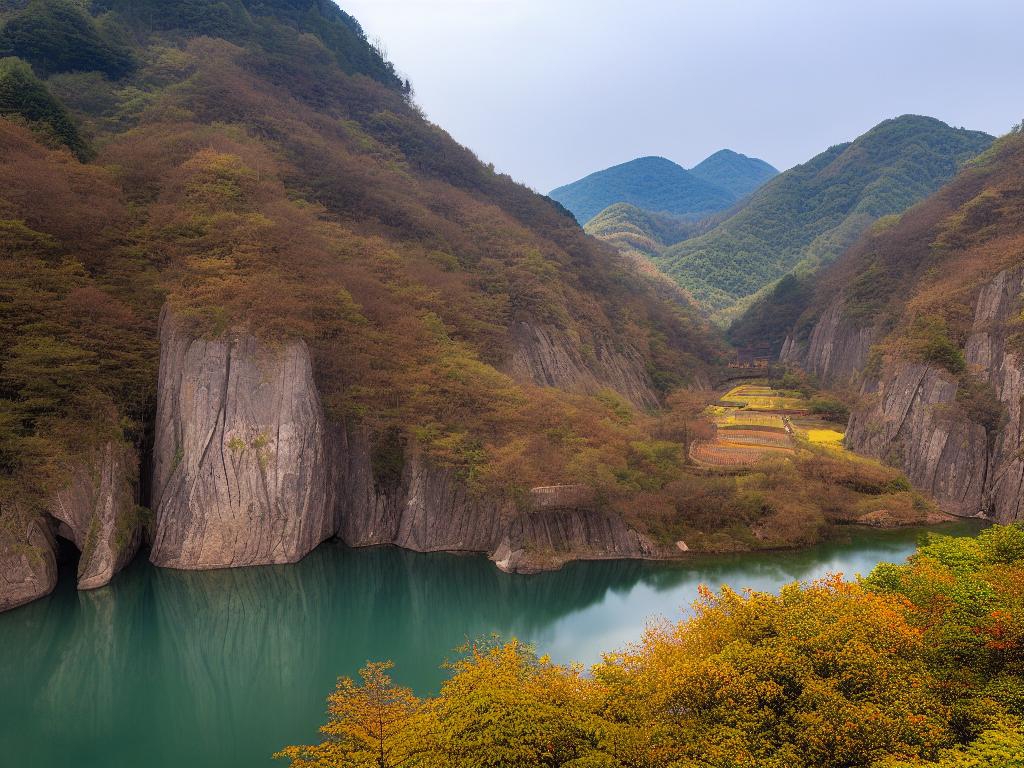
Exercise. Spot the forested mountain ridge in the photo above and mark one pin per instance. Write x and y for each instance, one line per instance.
(923, 318)
(628, 227)
(737, 173)
(652, 183)
(806, 216)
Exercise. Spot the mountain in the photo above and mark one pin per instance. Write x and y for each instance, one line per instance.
(252, 299)
(739, 174)
(923, 317)
(805, 217)
(651, 183)
(628, 227)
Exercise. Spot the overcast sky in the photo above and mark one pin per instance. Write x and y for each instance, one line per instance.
(551, 90)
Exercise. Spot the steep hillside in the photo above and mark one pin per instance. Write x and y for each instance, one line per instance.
(252, 299)
(737, 173)
(651, 183)
(806, 216)
(923, 317)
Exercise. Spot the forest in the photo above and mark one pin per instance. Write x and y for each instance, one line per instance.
(807, 216)
(920, 664)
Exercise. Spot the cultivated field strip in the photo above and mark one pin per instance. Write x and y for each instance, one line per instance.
(754, 422)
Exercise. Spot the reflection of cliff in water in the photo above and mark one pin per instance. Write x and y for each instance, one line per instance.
(222, 667)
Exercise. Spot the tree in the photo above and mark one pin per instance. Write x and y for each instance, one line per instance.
(370, 724)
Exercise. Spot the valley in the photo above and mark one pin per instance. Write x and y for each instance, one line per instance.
(293, 382)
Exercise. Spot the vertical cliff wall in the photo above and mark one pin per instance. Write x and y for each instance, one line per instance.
(243, 455)
(548, 357)
(247, 471)
(836, 350)
(423, 508)
(912, 415)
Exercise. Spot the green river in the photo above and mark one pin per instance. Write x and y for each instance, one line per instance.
(221, 668)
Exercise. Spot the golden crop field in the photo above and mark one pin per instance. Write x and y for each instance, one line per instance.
(754, 420)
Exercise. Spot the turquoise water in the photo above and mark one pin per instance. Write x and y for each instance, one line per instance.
(221, 668)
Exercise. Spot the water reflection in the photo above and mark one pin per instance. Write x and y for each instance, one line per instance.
(168, 668)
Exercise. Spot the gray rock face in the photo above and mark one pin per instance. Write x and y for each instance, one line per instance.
(548, 357)
(243, 454)
(427, 510)
(912, 422)
(247, 471)
(912, 417)
(837, 349)
(548, 538)
(96, 510)
(28, 566)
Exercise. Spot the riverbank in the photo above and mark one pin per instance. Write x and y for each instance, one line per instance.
(126, 670)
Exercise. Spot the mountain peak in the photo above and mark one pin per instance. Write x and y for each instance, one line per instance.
(735, 172)
(652, 183)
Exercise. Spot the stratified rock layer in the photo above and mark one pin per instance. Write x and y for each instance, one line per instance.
(546, 539)
(242, 457)
(425, 509)
(548, 357)
(836, 350)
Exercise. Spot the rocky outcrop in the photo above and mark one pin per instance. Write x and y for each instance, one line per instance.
(243, 453)
(912, 417)
(836, 350)
(28, 565)
(96, 509)
(565, 524)
(548, 357)
(423, 507)
(988, 350)
(546, 540)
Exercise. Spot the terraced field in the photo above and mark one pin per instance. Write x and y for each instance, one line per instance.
(754, 422)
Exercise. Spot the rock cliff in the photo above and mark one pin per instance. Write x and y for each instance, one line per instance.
(836, 350)
(96, 509)
(548, 538)
(242, 470)
(28, 566)
(913, 417)
(548, 357)
(248, 471)
(421, 507)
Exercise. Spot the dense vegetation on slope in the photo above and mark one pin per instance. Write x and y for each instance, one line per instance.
(630, 228)
(805, 217)
(24, 99)
(262, 170)
(737, 173)
(919, 664)
(916, 277)
(651, 183)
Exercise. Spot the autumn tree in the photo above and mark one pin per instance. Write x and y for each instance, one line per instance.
(371, 724)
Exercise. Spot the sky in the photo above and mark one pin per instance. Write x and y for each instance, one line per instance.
(551, 90)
